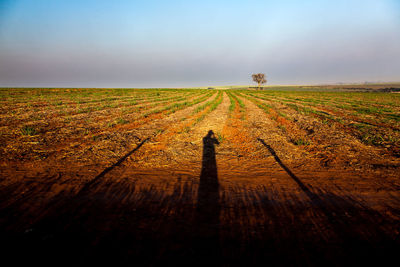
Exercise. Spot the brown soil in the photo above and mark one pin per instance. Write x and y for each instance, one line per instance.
(173, 192)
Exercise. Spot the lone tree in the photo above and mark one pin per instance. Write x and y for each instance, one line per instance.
(259, 78)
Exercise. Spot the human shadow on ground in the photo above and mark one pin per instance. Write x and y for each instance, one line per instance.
(184, 220)
(208, 193)
(206, 241)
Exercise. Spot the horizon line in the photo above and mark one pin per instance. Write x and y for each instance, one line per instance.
(209, 86)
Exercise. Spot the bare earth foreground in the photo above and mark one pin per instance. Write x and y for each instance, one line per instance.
(196, 177)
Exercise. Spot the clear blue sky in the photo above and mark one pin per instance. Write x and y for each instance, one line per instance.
(152, 43)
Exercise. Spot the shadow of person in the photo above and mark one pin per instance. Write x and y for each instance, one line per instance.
(208, 202)
(208, 194)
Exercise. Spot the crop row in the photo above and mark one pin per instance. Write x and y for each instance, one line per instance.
(369, 133)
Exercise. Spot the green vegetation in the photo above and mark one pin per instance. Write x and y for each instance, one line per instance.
(301, 142)
(212, 106)
(220, 138)
(371, 117)
(374, 118)
(242, 107)
(233, 103)
(28, 130)
(122, 121)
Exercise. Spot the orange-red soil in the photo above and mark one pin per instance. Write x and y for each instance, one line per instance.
(172, 192)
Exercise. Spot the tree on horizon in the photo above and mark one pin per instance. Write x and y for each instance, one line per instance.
(259, 78)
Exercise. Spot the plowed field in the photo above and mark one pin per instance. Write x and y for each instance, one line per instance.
(194, 177)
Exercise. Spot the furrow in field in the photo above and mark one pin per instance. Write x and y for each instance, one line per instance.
(85, 96)
(182, 141)
(234, 134)
(147, 119)
(266, 199)
(86, 129)
(376, 129)
(262, 123)
(331, 142)
(69, 101)
(60, 179)
(306, 171)
(331, 147)
(50, 113)
(273, 173)
(372, 114)
(159, 153)
(112, 146)
(174, 152)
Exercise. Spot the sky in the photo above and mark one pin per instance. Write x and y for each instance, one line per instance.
(177, 43)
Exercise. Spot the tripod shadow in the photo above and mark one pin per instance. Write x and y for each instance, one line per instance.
(348, 218)
(303, 187)
(208, 202)
(86, 188)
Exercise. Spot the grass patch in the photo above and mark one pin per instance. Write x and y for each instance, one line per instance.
(122, 121)
(28, 130)
(372, 139)
(220, 138)
(159, 131)
(301, 142)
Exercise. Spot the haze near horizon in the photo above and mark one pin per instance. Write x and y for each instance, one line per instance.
(96, 43)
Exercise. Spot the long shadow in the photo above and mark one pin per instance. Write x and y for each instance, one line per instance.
(208, 207)
(87, 186)
(208, 194)
(121, 223)
(303, 187)
(327, 206)
(344, 214)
